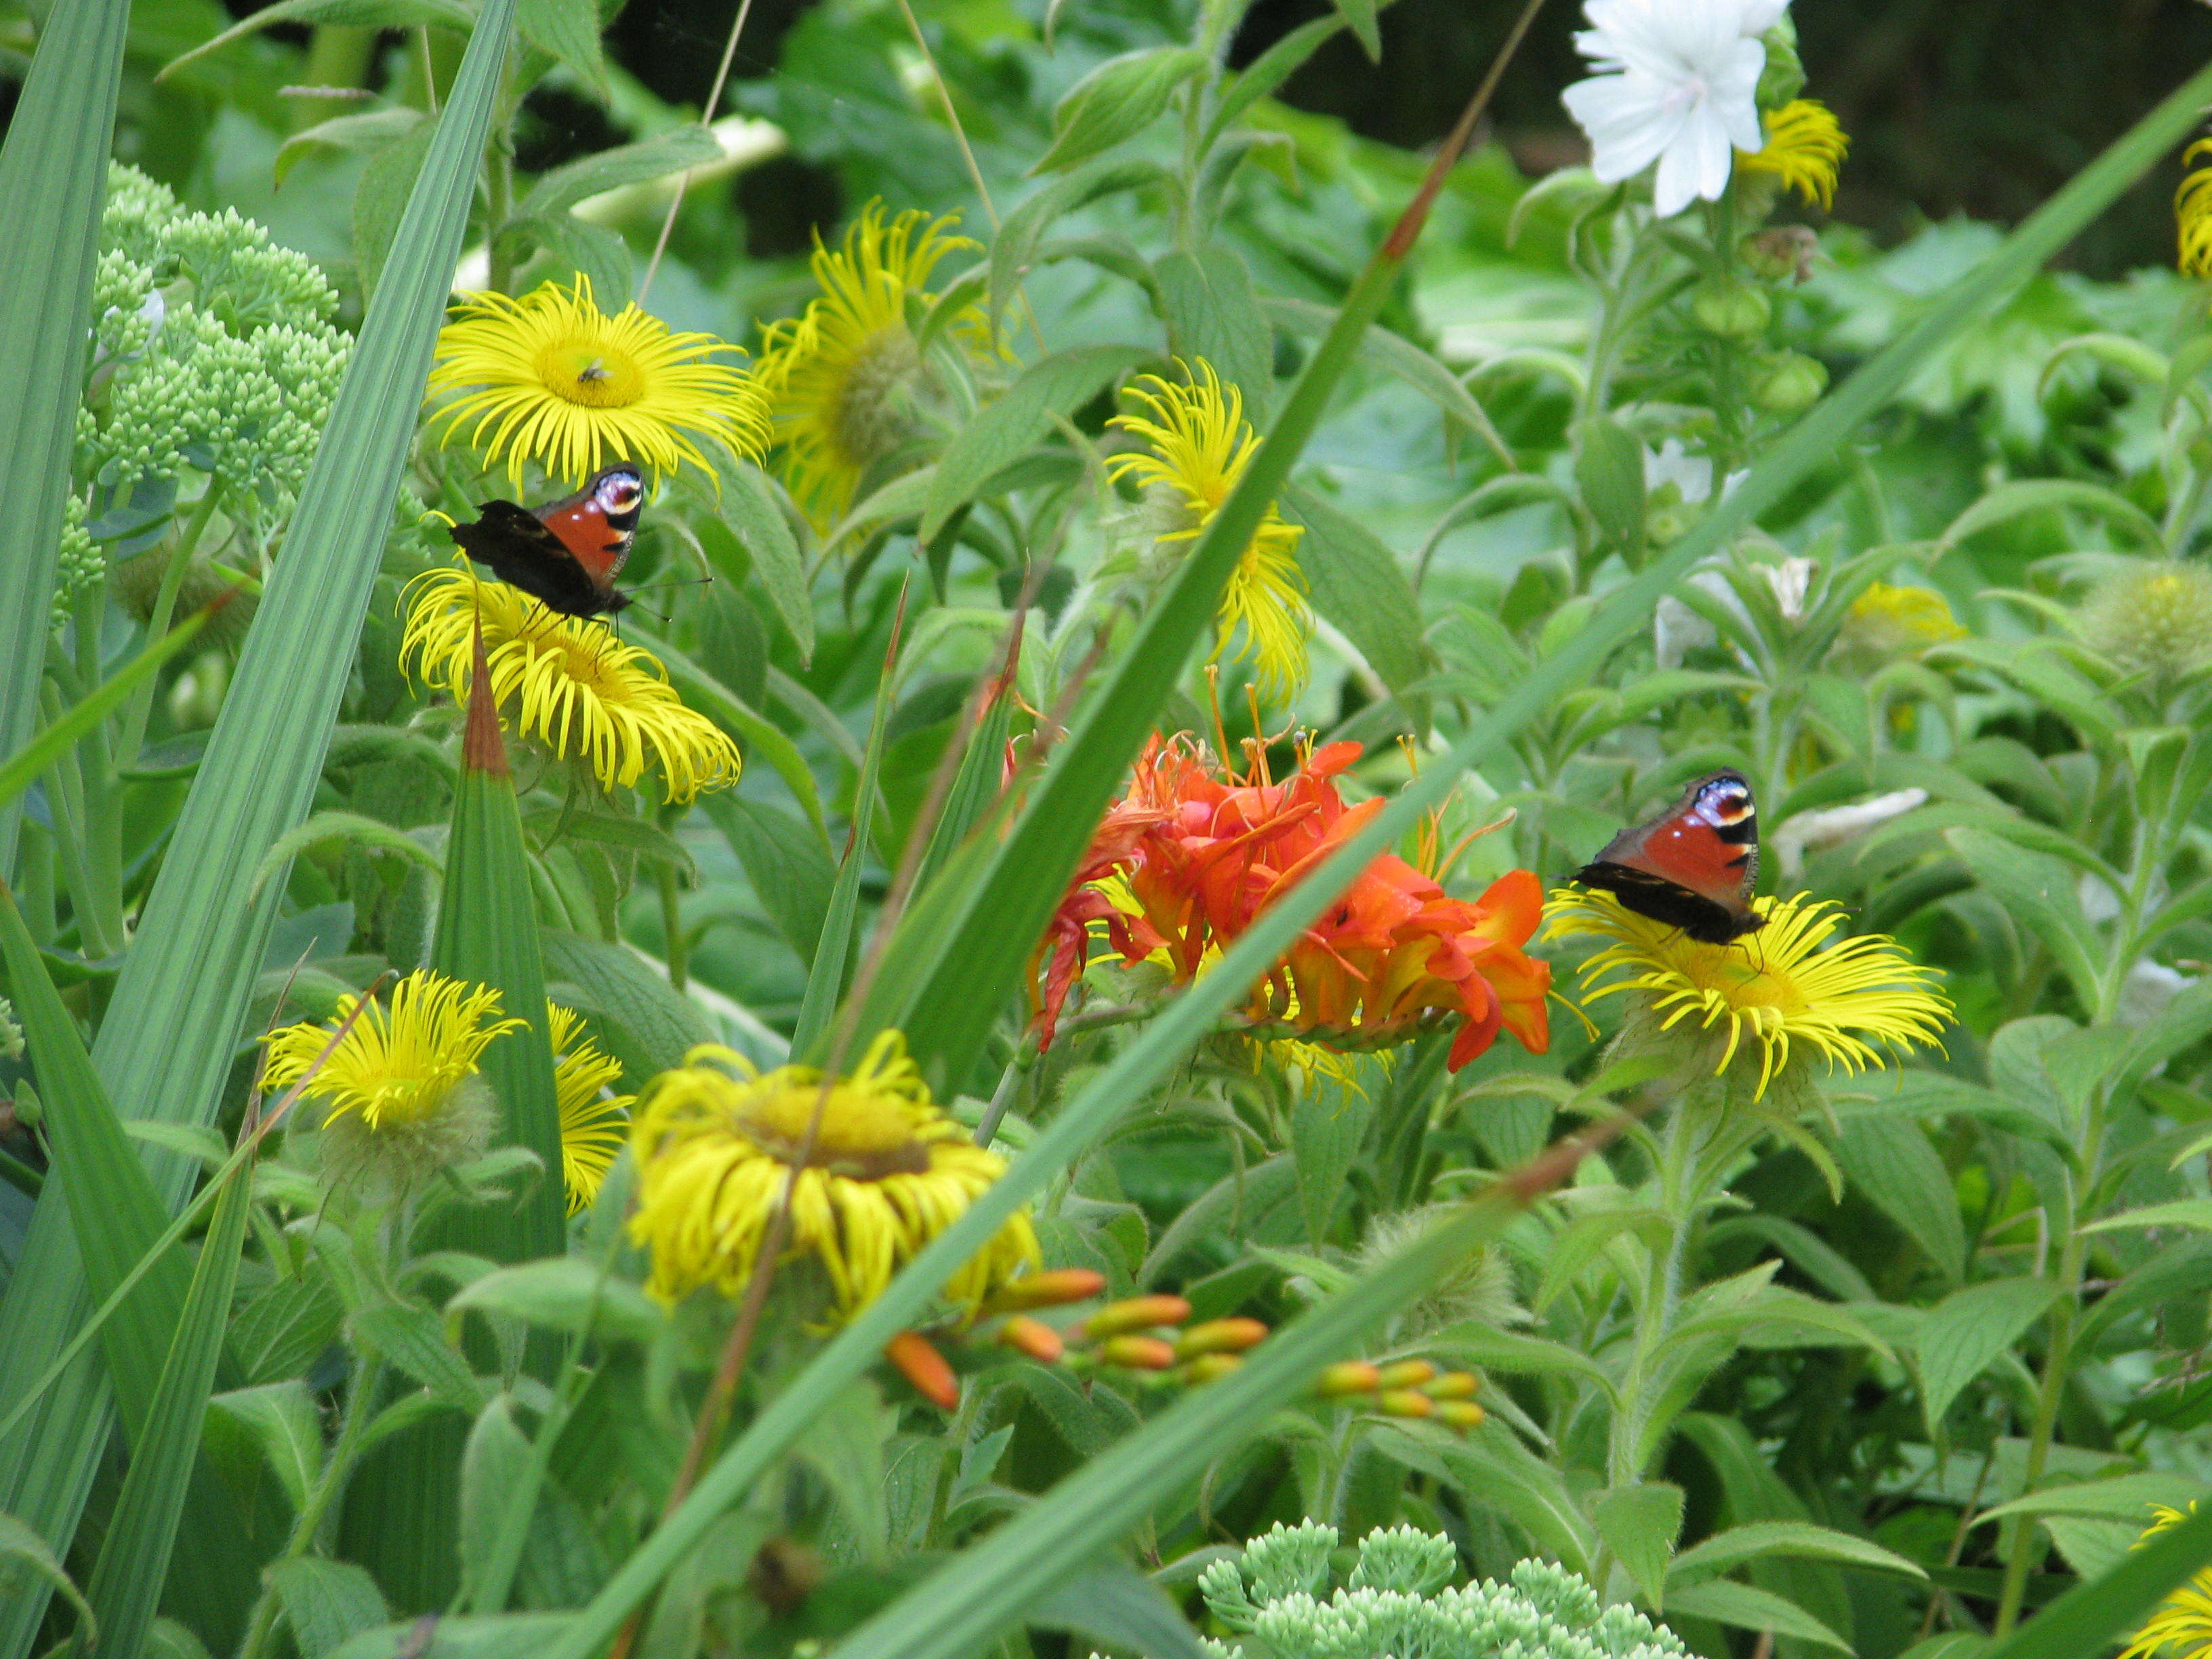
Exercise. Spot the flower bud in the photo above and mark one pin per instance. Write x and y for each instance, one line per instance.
(1779, 252)
(1137, 1313)
(1788, 382)
(1210, 1367)
(1406, 1374)
(1452, 1385)
(1137, 1353)
(1220, 1336)
(1461, 1415)
(1033, 1338)
(2152, 618)
(1404, 1402)
(1054, 1288)
(1733, 309)
(923, 1366)
(1347, 1376)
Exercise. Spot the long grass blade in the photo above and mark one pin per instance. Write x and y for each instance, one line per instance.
(1114, 1092)
(166, 1045)
(53, 182)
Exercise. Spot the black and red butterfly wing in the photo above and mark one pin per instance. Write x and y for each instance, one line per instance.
(566, 553)
(1694, 866)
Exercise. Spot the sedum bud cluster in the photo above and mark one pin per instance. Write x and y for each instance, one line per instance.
(1397, 1602)
(213, 350)
(11, 1034)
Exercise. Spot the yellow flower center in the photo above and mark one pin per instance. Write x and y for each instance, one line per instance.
(869, 415)
(1742, 982)
(588, 373)
(864, 1135)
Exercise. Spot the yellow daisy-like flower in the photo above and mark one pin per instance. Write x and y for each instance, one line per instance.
(1774, 988)
(551, 377)
(1200, 445)
(714, 1142)
(580, 689)
(2180, 1626)
(1887, 621)
(399, 1064)
(1805, 148)
(2192, 212)
(593, 1127)
(842, 378)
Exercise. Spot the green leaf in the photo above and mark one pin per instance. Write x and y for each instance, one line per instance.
(1120, 1607)
(1747, 1607)
(1968, 1329)
(381, 199)
(2120, 1498)
(672, 151)
(750, 514)
(1360, 14)
(1003, 432)
(597, 254)
(1328, 1124)
(1759, 1540)
(845, 1447)
(338, 14)
(411, 1338)
(2040, 896)
(1357, 583)
(1116, 100)
(367, 131)
(785, 862)
(2195, 1213)
(565, 1294)
(1015, 247)
(760, 735)
(1639, 1525)
(281, 1422)
(1891, 1164)
(568, 31)
(1268, 71)
(326, 1603)
(507, 1636)
(1213, 315)
(20, 1545)
(1609, 471)
(2022, 496)
(495, 1474)
(53, 183)
(2089, 1617)
(650, 1026)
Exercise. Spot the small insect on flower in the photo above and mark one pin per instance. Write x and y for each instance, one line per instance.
(884, 1173)
(551, 377)
(1805, 150)
(1200, 445)
(846, 379)
(2180, 1626)
(1776, 992)
(569, 685)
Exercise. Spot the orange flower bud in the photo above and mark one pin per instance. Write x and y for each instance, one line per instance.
(1139, 1313)
(1452, 1385)
(1210, 1367)
(1033, 1338)
(1347, 1376)
(1404, 1402)
(1407, 1374)
(924, 1367)
(1052, 1289)
(1220, 1336)
(1138, 1353)
(1461, 1415)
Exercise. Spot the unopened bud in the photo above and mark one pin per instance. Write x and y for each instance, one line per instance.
(1406, 1374)
(1139, 1313)
(1461, 1415)
(1735, 310)
(1788, 382)
(1052, 1289)
(1452, 1385)
(1210, 1367)
(1404, 1402)
(1220, 1336)
(1137, 1353)
(1033, 1338)
(923, 1366)
(1346, 1377)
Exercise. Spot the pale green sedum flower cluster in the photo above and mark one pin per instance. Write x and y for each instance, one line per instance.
(11, 1034)
(1395, 1604)
(213, 353)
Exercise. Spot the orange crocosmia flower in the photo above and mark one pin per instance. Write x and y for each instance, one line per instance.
(1203, 853)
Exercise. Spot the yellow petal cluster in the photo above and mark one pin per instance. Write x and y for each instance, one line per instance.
(399, 1062)
(1805, 148)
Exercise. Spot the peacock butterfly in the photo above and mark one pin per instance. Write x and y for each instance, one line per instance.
(1694, 866)
(567, 552)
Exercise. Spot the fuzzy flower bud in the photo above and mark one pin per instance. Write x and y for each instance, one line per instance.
(1405, 1374)
(2154, 619)
(1053, 1288)
(78, 565)
(1404, 1402)
(1033, 1337)
(1137, 1353)
(1220, 1336)
(1210, 1367)
(923, 1366)
(1137, 1313)
(1345, 1378)
(1452, 1385)
(1461, 1415)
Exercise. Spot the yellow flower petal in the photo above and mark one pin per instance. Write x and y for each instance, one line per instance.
(1805, 148)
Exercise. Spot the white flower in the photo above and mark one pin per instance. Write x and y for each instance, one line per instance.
(1691, 475)
(1675, 84)
(1789, 582)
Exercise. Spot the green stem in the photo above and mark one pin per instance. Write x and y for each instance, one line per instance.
(359, 1410)
(132, 736)
(65, 801)
(1680, 1184)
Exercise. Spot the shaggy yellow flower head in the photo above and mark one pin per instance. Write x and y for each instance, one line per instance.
(715, 1141)
(577, 689)
(2155, 619)
(1772, 990)
(399, 1064)
(551, 377)
(1805, 148)
(842, 378)
(1885, 622)
(2180, 1626)
(593, 1127)
(2192, 212)
(1200, 445)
